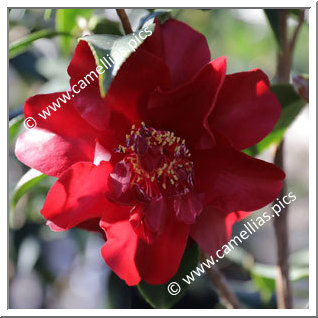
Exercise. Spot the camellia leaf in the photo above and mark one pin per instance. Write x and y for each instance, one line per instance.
(28, 180)
(22, 45)
(157, 295)
(161, 14)
(67, 20)
(291, 104)
(111, 51)
(15, 126)
(118, 293)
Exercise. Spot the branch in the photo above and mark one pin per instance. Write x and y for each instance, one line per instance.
(283, 285)
(221, 284)
(124, 20)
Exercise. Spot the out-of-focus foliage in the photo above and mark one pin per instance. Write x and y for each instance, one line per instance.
(71, 21)
(28, 181)
(22, 45)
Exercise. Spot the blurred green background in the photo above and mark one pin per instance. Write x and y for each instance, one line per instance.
(65, 270)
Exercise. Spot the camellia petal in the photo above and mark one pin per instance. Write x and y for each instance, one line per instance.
(213, 228)
(185, 110)
(140, 74)
(78, 195)
(159, 261)
(191, 49)
(120, 247)
(58, 141)
(50, 153)
(246, 110)
(233, 181)
(59, 117)
(89, 101)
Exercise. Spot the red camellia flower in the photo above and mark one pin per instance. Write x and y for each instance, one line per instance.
(158, 159)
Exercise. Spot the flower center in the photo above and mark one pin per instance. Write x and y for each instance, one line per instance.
(158, 161)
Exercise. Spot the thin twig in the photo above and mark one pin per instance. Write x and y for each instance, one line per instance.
(221, 284)
(124, 20)
(283, 285)
(296, 32)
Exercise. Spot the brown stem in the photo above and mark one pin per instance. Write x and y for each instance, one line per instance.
(124, 20)
(221, 284)
(283, 285)
(285, 54)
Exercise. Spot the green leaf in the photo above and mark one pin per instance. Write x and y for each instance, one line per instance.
(157, 295)
(291, 104)
(22, 45)
(29, 180)
(112, 51)
(273, 19)
(161, 14)
(15, 126)
(67, 20)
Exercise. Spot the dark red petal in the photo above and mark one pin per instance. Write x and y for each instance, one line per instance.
(155, 214)
(65, 121)
(58, 141)
(148, 220)
(120, 247)
(185, 110)
(78, 195)
(159, 261)
(88, 102)
(50, 153)
(213, 228)
(246, 110)
(184, 50)
(188, 207)
(119, 189)
(233, 181)
(127, 95)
